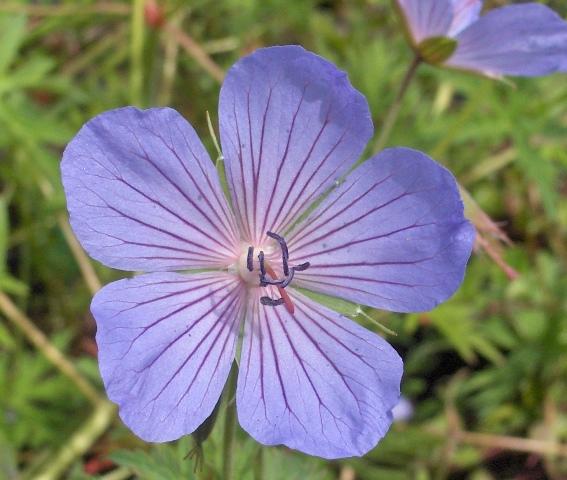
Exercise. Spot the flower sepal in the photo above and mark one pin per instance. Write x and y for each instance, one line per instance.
(436, 50)
(348, 309)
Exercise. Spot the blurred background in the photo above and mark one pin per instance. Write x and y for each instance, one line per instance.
(486, 372)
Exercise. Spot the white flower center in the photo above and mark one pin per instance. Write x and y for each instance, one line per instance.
(252, 277)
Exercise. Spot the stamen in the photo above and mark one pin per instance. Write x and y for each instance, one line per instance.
(266, 269)
(266, 281)
(281, 283)
(289, 278)
(271, 302)
(263, 280)
(303, 266)
(262, 266)
(285, 252)
(249, 259)
(285, 297)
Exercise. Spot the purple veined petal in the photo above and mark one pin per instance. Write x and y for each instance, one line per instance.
(465, 12)
(290, 125)
(166, 345)
(315, 381)
(143, 194)
(393, 236)
(524, 40)
(426, 18)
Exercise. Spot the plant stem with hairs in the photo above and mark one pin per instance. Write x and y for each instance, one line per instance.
(394, 111)
(229, 427)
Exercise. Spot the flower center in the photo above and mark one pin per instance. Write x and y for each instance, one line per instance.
(260, 273)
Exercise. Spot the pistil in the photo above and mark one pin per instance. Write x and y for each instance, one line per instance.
(285, 298)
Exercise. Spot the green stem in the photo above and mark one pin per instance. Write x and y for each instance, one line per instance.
(118, 474)
(229, 427)
(137, 52)
(196, 51)
(80, 442)
(171, 61)
(394, 110)
(52, 353)
(259, 464)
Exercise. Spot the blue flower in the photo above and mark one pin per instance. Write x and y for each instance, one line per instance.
(523, 40)
(143, 195)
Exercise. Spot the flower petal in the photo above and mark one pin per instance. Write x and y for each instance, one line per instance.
(290, 125)
(315, 381)
(426, 18)
(393, 236)
(166, 344)
(526, 40)
(465, 12)
(143, 193)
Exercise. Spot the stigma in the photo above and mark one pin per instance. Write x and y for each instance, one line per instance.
(255, 269)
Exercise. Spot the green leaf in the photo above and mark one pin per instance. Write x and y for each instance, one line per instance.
(8, 459)
(12, 285)
(4, 231)
(12, 32)
(282, 464)
(7, 341)
(30, 74)
(334, 303)
(165, 462)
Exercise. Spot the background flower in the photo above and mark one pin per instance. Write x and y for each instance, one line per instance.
(524, 40)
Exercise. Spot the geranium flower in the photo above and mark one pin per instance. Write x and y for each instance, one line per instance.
(143, 195)
(524, 40)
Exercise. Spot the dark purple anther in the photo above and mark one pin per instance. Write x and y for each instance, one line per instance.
(285, 252)
(262, 266)
(271, 302)
(266, 281)
(301, 267)
(249, 259)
